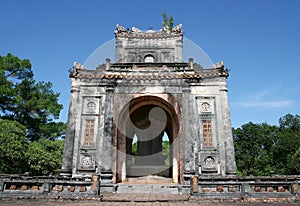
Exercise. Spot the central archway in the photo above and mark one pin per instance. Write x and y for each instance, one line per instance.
(147, 143)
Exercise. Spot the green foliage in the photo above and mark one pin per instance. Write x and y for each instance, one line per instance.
(167, 22)
(166, 151)
(294, 162)
(13, 146)
(31, 103)
(253, 147)
(134, 149)
(290, 122)
(12, 70)
(36, 108)
(28, 110)
(15, 68)
(18, 156)
(288, 145)
(261, 148)
(44, 157)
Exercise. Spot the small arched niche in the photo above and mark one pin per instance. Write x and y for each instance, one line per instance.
(149, 58)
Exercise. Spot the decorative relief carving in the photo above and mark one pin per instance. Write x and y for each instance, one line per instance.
(177, 28)
(91, 105)
(135, 29)
(120, 29)
(87, 162)
(205, 105)
(209, 162)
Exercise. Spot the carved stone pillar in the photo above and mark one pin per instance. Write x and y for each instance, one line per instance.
(66, 169)
(106, 153)
(188, 122)
(227, 133)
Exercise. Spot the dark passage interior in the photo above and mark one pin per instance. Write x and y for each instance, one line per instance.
(148, 149)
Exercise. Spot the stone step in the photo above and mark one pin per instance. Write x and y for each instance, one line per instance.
(142, 170)
(150, 179)
(148, 188)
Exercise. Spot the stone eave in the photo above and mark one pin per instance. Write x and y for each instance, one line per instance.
(148, 75)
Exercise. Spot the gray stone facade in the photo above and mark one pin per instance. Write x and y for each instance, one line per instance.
(147, 96)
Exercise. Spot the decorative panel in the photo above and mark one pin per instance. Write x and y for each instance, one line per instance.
(91, 105)
(207, 133)
(89, 133)
(87, 162)
(208, 162)
(205, 105)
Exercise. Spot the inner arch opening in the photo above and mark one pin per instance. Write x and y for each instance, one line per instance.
(148, 151)
(147, 139)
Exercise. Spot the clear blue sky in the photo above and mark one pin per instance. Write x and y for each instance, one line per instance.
(259, 41)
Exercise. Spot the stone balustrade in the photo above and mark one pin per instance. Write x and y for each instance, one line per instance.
(275, 188)
(245, 188)
(52, 187)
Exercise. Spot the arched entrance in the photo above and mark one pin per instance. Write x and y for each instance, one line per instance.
(147, 139)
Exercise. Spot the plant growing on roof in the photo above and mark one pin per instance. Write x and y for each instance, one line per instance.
(167, 23)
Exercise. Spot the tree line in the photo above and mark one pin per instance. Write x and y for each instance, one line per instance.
(31, 138)
(263, 148)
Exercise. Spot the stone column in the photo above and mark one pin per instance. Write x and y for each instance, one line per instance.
(227, 132)
(188, 137)
(106, 153)
(157, 150)
(66, 169)
(107, 64)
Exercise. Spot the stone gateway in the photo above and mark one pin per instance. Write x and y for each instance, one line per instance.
(148, 114)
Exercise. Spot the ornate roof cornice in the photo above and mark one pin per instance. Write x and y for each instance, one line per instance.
(135, 33)
(149, 74)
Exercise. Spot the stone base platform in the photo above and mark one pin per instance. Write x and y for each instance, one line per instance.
(150, 179)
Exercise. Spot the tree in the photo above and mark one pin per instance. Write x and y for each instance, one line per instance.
(294, 162)
(291, 122)
(254, 145)
(44, 157)
(12, 71)
(31, 103)
(36, 107)
(286, 149)
(13, 146)
(28, 110)
(168, 22)
(18, 156)
(261, 148)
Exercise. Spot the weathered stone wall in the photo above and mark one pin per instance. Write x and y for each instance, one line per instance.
(102, 100)
(162, 46)
(240, 189)
(18, 186)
